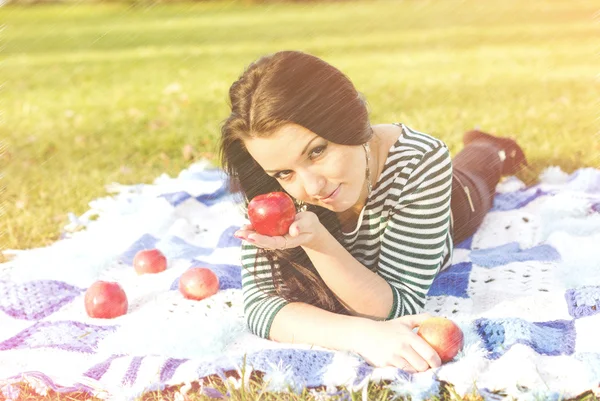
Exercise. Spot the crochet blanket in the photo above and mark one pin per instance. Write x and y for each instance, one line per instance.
(525, 290)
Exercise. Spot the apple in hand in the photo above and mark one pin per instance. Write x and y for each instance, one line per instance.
(198, 283)
(272, 214)
(149, 261)
(444, 336)
(105, 300)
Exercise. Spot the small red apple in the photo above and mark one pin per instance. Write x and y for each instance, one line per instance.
(149, 261)
(444, 336)
(198, 283)
(272, 214)
(105, 300)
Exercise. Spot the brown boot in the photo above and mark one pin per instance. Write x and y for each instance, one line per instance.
(508, 150)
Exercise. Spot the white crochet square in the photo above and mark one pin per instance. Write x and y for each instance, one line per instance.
(580, 259)
(62, 366)
(11, 326)
(168, 324)
(514, 287)
(588, 329)
(460, 255)
(448, 306)
(499, 228)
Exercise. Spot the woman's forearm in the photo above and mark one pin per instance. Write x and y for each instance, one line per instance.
(364, 291)
(387, 343)
(299, 322)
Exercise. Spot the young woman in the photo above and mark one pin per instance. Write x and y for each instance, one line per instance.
(379, 209)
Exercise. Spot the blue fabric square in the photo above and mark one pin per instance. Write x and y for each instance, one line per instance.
(175, 247)
(546, 338)
(362, 371)
(210, 174)
(308, 366)
(176, 198)
(466, 244)
(215, 197)
(132, 371)
(37, 299)
(452, 281)
(227, 239)
(169, 368)
(510, 253)
(583, 301)
(65, 335)
(515, 200)
(97, 371)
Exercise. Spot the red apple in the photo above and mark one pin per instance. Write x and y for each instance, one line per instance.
(444, 336)
(149, 261)
(105, 300)
(272, 214)
(198, 283)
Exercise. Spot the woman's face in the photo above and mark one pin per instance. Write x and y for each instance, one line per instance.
(310, 168)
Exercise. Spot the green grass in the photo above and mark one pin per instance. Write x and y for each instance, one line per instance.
(84, 105)
(84, 102)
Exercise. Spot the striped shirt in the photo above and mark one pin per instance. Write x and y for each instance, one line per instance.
(403, 233)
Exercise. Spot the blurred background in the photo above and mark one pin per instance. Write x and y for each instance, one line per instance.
(122, 91)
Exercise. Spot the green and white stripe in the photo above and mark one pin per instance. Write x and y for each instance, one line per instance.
(403, 233)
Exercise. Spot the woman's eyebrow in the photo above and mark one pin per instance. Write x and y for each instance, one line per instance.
(301, 154)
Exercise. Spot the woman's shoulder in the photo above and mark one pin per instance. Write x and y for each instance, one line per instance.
(411, 139)
(412, 153)
(408, 152)
(407, 147)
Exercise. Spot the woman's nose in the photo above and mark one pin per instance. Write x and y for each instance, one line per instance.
(313, 184)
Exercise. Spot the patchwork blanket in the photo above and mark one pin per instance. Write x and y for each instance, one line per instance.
(525, 289)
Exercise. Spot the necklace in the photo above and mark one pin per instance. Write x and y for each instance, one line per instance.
(368, 170)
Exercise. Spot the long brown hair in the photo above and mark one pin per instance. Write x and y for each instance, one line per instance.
(275, 90)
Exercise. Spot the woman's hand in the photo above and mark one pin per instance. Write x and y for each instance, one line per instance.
(304, 231)
(393, 343)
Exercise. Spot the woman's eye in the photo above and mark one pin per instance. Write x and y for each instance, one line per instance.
(282, 175)
(318, 150)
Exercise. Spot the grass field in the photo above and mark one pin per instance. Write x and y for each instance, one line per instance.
(102, 93)
(95, 94)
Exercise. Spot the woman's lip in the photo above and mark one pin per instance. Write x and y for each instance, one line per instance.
(333, 194)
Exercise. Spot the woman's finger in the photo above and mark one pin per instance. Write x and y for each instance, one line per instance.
(284, 242)
(295, 229)
(426, 352)
(304, 222)
(264, 241)
(414, 359)
(243, 233)
(401, 363)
